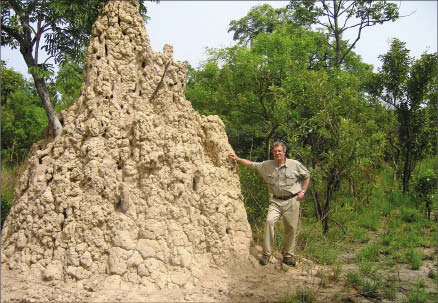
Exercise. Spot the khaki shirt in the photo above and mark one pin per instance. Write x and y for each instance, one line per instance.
(282, 180)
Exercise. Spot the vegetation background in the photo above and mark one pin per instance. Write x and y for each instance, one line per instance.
(369, 138)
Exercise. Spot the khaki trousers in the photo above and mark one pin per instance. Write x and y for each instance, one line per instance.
(290, 210)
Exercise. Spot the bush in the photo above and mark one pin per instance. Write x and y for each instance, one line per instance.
(426, 189)
(9, 176)
(370, 221)
(409, 215)
(414, 258)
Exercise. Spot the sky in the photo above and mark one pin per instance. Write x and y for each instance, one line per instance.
(191, 26)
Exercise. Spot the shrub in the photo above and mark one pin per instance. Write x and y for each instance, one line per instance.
(370, 221)
(409, 215)
(414, 258)
(9, 175)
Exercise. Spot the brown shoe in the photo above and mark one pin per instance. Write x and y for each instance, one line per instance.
(289, 260)
(264, 260)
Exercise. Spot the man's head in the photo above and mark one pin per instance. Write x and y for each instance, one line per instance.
(279, 152)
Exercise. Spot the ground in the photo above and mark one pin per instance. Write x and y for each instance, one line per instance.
(247, 282)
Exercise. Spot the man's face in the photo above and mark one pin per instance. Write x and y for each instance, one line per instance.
(279, 154)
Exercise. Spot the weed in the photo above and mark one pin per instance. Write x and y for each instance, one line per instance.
(409, 214)
(8, 180)
(370, 221)
(336, 272)
(389, 290)
(301, 296)
(353, 279)
(414, 258)
(371, 287)
(359, 235)
(322, 274)
(418, 295)
(369, 253)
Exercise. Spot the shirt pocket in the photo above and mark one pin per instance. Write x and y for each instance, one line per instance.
(291, 178)
(270, 178)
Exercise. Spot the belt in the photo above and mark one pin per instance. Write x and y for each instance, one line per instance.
(284, 197)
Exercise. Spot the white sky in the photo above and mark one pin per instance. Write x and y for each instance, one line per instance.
(191, 26)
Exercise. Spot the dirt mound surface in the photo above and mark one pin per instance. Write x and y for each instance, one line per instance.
(137, 191)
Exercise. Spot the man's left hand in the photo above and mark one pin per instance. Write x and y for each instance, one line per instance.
(300, 195)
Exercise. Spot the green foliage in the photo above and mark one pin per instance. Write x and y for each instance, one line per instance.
(370, 221)
(409, 87)
(418, 295)
(414, 258)
(23, 119)
(426, 187)
(68, 83)
(311, 241)
(260, 19)
(8, 181)
(256, 200)
(59, 27)
(369, 253)
(409, 214)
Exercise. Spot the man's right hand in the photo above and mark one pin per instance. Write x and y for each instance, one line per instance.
(240, 160)
(233, 156)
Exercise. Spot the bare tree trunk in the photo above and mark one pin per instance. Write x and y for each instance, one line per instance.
(43, 92)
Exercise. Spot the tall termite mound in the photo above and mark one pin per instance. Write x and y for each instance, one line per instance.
(138, 185)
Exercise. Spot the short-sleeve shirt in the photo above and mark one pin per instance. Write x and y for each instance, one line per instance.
(283, 179)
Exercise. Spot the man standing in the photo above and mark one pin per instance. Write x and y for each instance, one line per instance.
(287, 183)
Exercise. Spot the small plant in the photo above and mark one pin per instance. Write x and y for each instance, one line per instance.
(431, 274)
(322, 274)
(371, 287)
(370, 221)
(359, 235)
(389, 290)
(301, 296)
(336, 272)
(409, 215)
(8, 179)
(418, 295)
(353, 279)
(369, 253)
(414, 258)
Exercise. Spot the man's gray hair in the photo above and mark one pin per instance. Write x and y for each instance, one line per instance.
(279, 143)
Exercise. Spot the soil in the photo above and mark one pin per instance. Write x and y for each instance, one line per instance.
(244, 282)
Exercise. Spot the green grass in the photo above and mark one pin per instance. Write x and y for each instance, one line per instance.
(370, 221)
(369, 253)
(8, 181)
(414, 258)
(300, 296)
(418, 295)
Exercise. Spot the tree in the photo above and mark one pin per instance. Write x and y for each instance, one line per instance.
(335, 136)
(23, 118)
(68, 83)
(255, 90)
(60, 27)
(408, 87)
(260, 19)
(338, 16)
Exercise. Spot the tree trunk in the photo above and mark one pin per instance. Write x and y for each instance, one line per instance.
(337, 33)
(407, 168)
(43, 92)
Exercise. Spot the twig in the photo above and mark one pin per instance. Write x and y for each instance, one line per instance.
(154, 94)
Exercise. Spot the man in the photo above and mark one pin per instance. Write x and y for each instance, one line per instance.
(287, 183)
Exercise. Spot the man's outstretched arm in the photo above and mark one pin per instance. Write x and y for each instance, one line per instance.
(240, 160)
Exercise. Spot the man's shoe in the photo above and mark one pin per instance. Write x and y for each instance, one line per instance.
(264, 260)
(289, 260)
